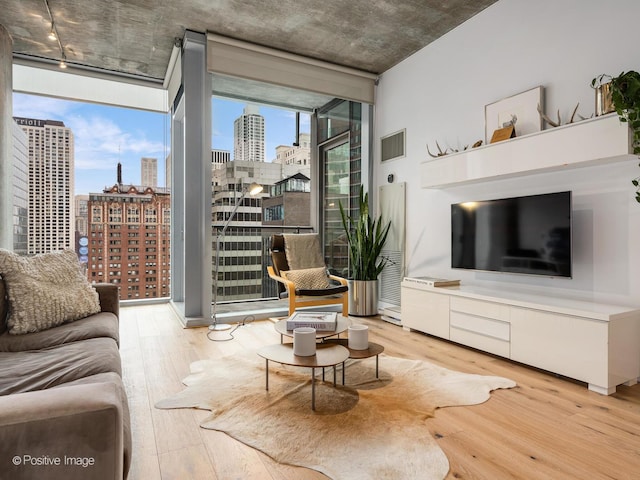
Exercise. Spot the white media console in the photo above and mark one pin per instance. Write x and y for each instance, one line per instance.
(592, 342)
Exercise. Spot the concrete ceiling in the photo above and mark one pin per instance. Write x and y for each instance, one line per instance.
(136, 37)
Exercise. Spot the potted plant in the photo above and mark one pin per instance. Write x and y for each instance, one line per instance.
(366, 237)
(625, 94)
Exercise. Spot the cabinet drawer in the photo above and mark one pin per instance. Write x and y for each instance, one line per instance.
(483, 333)
(481, 342)
(480, 308)
(481, 325)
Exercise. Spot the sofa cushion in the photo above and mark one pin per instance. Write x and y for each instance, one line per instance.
(50, 367)
(87, 418)
(4, 307)
(45, 290)
(102, 324)
(111, 377)
(308, 278)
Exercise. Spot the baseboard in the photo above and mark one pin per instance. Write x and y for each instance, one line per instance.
(392, 315)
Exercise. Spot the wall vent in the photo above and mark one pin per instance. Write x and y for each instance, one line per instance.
(393, 145)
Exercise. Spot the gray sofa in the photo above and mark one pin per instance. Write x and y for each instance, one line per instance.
(63, 408)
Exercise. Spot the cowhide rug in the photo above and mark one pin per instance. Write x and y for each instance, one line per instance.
(369, 429)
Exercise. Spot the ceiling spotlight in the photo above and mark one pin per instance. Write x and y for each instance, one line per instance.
(63, 61)
(52, 34)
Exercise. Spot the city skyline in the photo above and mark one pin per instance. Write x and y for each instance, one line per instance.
(105, 135)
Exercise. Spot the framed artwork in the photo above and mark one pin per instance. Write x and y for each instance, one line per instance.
(523, 108)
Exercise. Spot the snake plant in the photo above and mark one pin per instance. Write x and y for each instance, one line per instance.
(366, 237)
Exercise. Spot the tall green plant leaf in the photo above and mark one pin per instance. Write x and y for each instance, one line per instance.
(366, 237)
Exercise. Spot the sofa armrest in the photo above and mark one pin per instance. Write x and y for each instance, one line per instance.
(109, 300)
(73, 432)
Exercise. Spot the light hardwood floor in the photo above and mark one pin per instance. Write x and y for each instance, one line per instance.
(545, 428)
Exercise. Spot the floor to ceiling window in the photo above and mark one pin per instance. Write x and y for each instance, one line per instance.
(255, 143)
(93, 178)
(278, 149)
(253, 75)
(340, 157)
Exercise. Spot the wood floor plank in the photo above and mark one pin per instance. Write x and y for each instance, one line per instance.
(187, 463)
(555, 447)
(233, 459)
(548, 427)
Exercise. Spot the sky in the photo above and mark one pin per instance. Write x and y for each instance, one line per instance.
(105, 135)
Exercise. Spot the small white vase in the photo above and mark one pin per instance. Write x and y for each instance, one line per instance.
(304, 341)
(358, 337)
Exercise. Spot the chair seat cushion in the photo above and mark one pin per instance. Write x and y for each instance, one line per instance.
(325, 292)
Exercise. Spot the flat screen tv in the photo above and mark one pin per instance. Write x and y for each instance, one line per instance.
(526, 235)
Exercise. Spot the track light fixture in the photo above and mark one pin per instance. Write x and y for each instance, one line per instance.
(54, 35)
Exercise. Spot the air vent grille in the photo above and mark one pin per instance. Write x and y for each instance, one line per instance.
(393, 146)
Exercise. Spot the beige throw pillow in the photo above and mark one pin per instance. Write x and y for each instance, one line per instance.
(308, 278)
(45, 290)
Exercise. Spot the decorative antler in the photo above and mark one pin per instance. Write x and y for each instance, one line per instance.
(547, 119)
(441, 153)
(574, 112)
(585, 118)
(447, 151)
(559, 122)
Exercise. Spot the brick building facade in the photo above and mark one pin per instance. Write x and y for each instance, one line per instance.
(129, 240)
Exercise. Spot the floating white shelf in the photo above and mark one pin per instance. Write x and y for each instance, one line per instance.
(595, 141)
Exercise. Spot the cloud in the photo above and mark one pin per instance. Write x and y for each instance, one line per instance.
(42, 108)
(100, 142)
(103, 136)
(305, 119)
(305, 122)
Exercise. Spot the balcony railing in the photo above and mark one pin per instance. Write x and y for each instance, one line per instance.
(243, 259)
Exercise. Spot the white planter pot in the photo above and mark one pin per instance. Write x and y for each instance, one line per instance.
(363, 297)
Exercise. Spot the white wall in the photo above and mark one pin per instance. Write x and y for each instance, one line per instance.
(440, 93)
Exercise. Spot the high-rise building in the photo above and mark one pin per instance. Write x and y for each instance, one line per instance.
(129, 240)
(289, 202)
(82, 214)
(242, 249)
(219, 158)
(51, 162)
(20, 190)
(297, 154)
(248, 136)
(149, 172)
(167, 171)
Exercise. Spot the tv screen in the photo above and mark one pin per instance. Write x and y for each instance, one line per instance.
(528, 235)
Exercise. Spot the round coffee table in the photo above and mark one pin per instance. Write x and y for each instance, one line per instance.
(374, 350)
(341, 326)
(327, 355)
